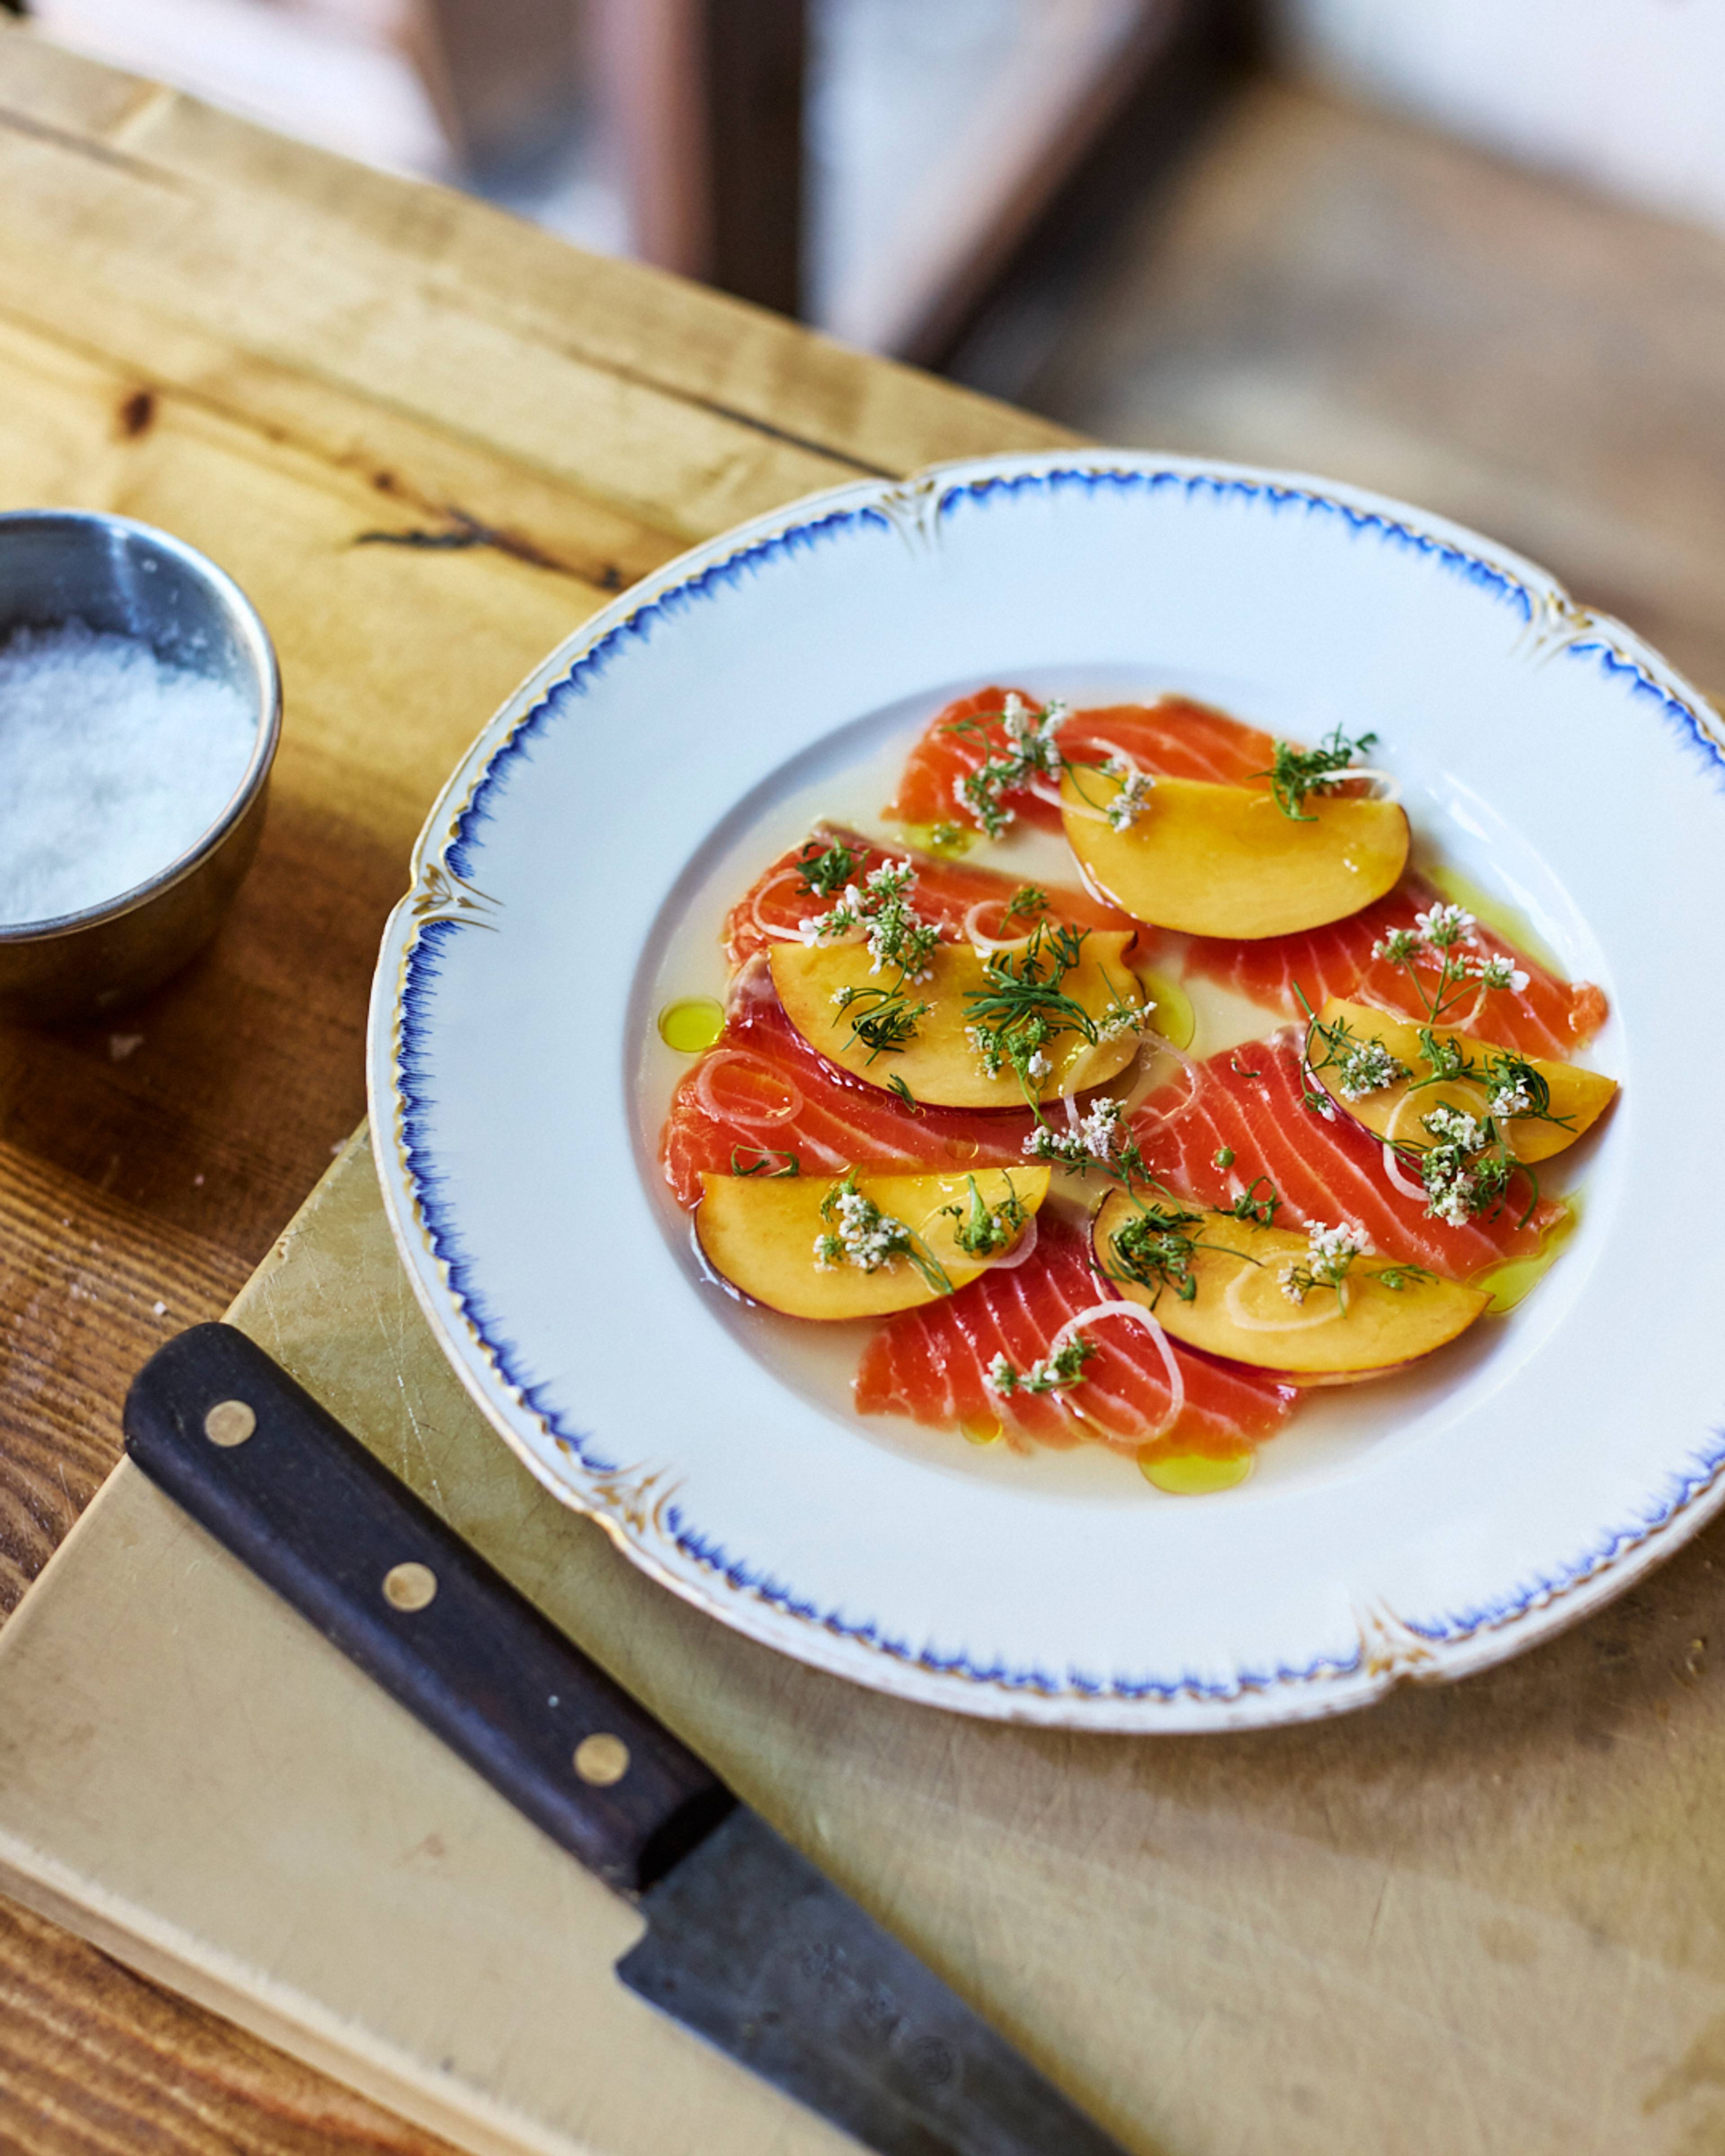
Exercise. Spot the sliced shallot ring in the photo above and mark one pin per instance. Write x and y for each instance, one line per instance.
(1158, 1043)
(751, 983)
(1248, 1321)
(975, 936)
(1100, 741)
(1056, 799)
(1410, 1101)
(1397, 1174)
(1026, 1244)
(1138, 1315)
(704, 1101)
(768, 928)
(1188, 1065)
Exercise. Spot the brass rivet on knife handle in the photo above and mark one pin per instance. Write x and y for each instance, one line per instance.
(324, 1522)
(229, 1422)
(601, 1760)
(410, 1586)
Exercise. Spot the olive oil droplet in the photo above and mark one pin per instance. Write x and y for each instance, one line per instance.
(1515, 1279)
(962, 1148)
(982, 1429)
(692, 1024)
(1173, 1015)
(1186, 1468)
(947, 842)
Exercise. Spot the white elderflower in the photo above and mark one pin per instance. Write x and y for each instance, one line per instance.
(1051, 1373)
(1047, 1144)
(1122, 1019)
(1454, 1126)
(1499, 972)
(1330, 1253)
(1102, 1129)
(1364, 1067)
(858, 1233)
(1134, 797)
(1033, 735)
(1444, 927)
(1461, 1178)
(989, 1052)
(1398, 947)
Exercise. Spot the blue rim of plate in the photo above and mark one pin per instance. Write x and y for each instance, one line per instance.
(1389, 1645)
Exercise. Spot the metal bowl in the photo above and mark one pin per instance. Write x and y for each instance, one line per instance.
(124, 579)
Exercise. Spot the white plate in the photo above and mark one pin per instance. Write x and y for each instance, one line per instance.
(1423, 1529)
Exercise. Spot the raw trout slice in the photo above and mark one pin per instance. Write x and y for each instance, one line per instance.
(948, 893)
(932, 1365)
(1174, 737)
(1249, 1101)
(1549, 1016)
(762, 1094)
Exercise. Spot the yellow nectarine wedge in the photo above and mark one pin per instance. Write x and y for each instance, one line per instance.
(1223, 860)
(1240, 1306)
(1579, 1097)
(939, 1064)
(761, 1234)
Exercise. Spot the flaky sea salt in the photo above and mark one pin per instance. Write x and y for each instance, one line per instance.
(112, 765)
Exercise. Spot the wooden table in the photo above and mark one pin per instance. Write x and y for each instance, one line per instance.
(428, 441)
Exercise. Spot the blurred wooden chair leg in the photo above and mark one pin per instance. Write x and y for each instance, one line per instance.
(502, 74)
(706, 99)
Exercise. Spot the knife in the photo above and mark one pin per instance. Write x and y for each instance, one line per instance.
(746, 1943)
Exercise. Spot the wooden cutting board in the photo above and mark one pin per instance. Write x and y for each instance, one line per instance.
(1484, 1918)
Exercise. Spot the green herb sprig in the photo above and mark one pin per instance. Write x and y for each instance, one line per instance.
(1030, 750)
(825, 869)
(764, 1157)
(982, 1232)
(885, 1021)
(1052, 1374)
(858, 1233)
(1295, 773)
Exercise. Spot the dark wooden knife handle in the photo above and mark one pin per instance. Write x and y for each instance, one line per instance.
(276, 1479)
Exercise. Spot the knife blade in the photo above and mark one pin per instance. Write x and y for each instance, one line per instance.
(747, 1943)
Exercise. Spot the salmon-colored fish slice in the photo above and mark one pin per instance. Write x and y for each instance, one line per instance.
(947, 893)
(1249, 1101)
(763, 1093)
(1549, 1016)
(932, 1365)
(927, 786)
(1174, 737)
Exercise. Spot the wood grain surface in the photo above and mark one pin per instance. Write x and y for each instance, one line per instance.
(428, 441)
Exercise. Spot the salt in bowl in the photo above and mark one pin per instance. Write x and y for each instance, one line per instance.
(76, 571)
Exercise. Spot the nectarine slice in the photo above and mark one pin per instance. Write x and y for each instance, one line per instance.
(1224, 860)
(1240, 1306)
(760, 1232)
(939, 1063)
